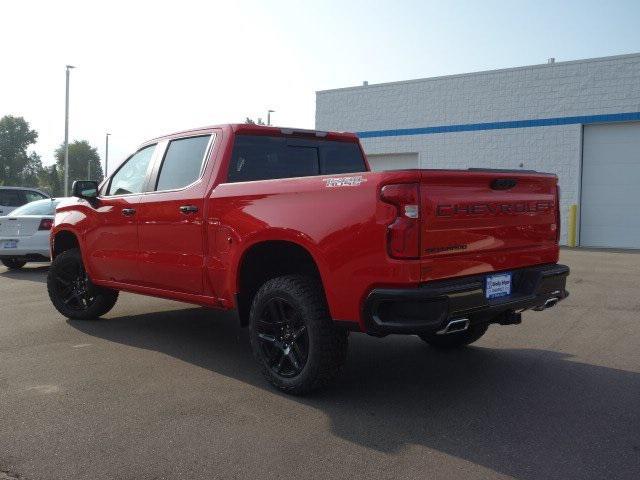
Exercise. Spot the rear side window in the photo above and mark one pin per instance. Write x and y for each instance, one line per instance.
(261, 158)
(12, 198)
(131, 177)
(182, 163)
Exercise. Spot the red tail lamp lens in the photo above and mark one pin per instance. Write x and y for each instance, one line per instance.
(403, 237)
(45, 224)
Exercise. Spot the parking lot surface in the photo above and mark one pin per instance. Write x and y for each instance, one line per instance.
(159, 389)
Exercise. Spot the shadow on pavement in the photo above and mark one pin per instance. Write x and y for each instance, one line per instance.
(36, 273)
(526, 413)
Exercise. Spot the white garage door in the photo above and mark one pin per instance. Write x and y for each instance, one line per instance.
(393, 161)
(610, 213)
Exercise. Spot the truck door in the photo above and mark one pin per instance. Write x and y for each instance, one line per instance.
(171, 217)
(113, 242)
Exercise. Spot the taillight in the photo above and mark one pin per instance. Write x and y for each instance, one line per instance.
(403, 236)
(45, 224)
(558, 218)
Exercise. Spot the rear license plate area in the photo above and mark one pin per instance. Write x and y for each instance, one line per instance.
(496, 286)
(10, 244)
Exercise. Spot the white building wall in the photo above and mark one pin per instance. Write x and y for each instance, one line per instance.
(608, 85)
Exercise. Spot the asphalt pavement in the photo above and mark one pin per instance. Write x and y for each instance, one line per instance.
(159, 389)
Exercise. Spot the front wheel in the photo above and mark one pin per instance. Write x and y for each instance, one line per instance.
(458, 339)
(13, 263)
(293, 338)
(71, 291)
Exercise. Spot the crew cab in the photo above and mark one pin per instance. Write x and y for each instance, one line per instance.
(290, 229)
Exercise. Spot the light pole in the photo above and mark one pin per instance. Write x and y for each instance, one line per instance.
(269, 112)
(106, 155)
(66, 134)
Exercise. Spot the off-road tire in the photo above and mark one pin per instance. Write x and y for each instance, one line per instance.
(459, 339)
(326, 344)
(102, 299)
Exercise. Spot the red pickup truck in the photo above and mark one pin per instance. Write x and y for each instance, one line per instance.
(291, 230)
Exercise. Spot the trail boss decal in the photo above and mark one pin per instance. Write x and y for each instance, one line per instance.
(344, 181)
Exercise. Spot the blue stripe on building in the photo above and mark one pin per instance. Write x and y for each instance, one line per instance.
(539, 122)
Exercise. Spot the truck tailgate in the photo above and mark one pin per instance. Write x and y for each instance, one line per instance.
(482, 221)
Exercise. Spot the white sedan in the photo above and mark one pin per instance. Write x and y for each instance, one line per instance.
(24, 233)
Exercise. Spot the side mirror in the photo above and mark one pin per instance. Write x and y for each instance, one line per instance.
(87, 189)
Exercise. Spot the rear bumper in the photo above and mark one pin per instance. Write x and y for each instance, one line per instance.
(34, 248)
(427, 309)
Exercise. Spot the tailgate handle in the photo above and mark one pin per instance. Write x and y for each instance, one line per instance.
(503, 183)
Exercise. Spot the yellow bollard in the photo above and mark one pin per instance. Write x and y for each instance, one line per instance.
(571, 225)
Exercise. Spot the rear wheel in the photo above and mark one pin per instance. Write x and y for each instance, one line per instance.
(71, 291)
(458, 339)
(293, 338)
(13, 263)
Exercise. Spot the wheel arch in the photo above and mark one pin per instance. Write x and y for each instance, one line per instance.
(269, 259)
(63, 240)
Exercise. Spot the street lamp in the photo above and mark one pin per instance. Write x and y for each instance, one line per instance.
(106, 155)
(269, 112)
(66, 134)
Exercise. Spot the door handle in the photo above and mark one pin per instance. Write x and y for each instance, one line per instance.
(186, 209)
(127, 212)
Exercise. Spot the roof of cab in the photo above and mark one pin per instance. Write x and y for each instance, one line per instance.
(248, 128)
(31, 189)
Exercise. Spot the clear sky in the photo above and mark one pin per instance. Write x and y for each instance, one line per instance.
(149, 68)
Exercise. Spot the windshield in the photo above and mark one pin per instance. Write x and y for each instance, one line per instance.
(39, 207)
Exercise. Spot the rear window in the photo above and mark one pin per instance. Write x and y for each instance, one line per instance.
(258, 157)
(12, 198)
(39, 207)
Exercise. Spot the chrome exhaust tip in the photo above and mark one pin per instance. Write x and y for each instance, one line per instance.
(454, 326)
(549, 302)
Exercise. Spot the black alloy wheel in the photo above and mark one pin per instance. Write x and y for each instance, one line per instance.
(72, 292)
(72, 286)
(283, 338)
(297, 345)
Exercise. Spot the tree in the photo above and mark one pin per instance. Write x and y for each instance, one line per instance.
(251, 122)
(32, 171)
(50, 180)
(81, 156)
(17, 167)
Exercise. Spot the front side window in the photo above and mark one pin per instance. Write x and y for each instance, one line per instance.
(33, 196)
(182, 163)
(131, 177)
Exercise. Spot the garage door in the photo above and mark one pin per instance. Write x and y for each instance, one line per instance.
(393, 161)
(610, 213)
